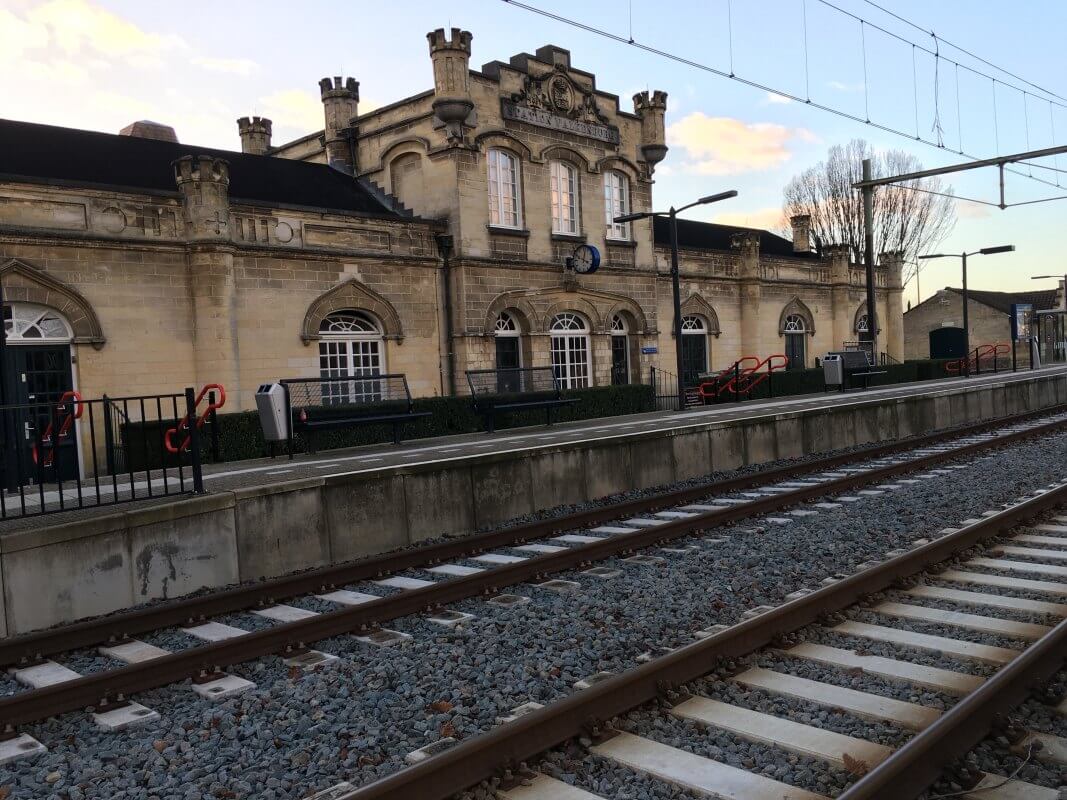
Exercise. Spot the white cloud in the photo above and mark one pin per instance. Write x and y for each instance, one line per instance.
(293, 108)
(233, 66)
(770, 219)
(774, 99)
(727, 146)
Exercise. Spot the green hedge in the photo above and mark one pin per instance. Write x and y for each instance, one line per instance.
(240, 436)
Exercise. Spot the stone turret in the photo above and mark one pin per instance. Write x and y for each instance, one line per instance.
(801, 224)
(255, 135)
(340, 104)
(204, 183)
(651, 110)
(839, 258)
(451, 80)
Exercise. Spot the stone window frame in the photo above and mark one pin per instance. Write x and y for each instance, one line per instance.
(796, 307)
(516, 163)
(26, 283)
(351, 295)
(576, 212)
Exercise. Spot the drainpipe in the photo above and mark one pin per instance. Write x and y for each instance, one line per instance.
(444, 247)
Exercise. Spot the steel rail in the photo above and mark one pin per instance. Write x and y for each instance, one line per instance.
(585, 712)
(115, 627)
(32, 705)
(909, 771)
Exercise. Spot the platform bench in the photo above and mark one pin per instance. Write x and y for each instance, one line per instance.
(496, 391)
(332, 403)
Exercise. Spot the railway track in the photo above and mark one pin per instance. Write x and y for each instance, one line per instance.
(995, 650)
(547, 547)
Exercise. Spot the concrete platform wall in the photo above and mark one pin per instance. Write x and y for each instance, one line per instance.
(68, 572)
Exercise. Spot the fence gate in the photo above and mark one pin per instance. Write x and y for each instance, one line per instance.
(37, 374)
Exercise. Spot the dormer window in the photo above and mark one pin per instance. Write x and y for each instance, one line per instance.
(504, 208)
(563, 187)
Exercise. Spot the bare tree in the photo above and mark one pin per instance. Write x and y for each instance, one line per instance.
(912, 217)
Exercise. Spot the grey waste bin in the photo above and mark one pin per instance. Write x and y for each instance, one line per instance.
(270, 400)
(833, 369)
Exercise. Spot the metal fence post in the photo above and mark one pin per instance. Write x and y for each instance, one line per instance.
(215, 428)
(194, 441)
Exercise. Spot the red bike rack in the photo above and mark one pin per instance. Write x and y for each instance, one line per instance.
(982, 352)
(200, 420)
(713, 388)
(52, 439)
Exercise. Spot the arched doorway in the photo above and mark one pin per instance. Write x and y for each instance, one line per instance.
(694, 348)
(508, 341)
(570, 350)
(795, 331)
(38, 371)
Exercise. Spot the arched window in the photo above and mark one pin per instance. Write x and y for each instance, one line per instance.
(616, 204)
(620, 351)
(861, 324)
(694, 346)
(563, 190)
(34, 324)
(350, 346)
(405, 173)
(505, 210)
(570, 350)
(795, 329)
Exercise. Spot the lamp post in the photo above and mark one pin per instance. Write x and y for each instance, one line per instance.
(672, 215)
(985, 251)
(1062, 317)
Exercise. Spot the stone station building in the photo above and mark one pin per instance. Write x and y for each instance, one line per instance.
(425, 237)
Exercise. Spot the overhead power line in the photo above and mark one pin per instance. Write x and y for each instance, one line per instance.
(771, 89)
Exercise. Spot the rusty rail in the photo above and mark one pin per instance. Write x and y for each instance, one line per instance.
(585, 712)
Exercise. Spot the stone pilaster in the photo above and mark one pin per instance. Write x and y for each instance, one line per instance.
(893, 326)
(751, 291)
(840, 301)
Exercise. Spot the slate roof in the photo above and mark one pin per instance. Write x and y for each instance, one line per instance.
(1002, 301)
(34, 153)
(712, 236)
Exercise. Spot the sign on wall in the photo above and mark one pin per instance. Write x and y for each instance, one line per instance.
(1021, 322)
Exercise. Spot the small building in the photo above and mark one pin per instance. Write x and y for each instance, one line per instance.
(934, 328)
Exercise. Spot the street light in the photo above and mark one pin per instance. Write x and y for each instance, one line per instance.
(672, 214)
(985, 251)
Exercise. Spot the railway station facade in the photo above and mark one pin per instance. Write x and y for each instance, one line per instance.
(426, 237)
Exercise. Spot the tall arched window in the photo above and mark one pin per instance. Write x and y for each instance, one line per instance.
(620, 351)
(616, 204)
(563, 190)
(505, 209)
(795, 330)
(694, 346)
(350, 346)
(570, 350)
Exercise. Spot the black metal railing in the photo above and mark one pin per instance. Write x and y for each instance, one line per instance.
(665, 389)
(71, 453)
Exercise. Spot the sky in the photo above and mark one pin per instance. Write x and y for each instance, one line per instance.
(100, 64)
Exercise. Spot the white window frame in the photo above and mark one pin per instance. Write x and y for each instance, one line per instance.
(616, 204)
(505, 189)
(694, 325)
(862, 325)
(564, 193)
(21, 319)
(619, 328)
(795, 323)
(351, 345)
(570, 350)
(507, 327)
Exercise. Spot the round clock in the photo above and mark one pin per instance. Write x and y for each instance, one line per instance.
(586, 259)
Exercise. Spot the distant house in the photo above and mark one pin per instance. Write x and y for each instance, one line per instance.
(989, 317)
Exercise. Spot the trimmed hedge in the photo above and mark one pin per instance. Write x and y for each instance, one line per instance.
(240, 435)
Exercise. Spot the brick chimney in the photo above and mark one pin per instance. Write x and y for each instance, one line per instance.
(255, 135)
(801, 224)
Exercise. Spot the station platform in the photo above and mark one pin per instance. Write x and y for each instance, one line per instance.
(270, 517)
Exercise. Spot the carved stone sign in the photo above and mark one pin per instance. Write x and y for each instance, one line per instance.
(546, 119)
(556, 101)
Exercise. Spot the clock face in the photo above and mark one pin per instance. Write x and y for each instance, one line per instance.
(586, 259)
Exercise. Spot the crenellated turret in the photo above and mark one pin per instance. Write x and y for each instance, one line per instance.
(652, 110)
(451, 80)
(340, 104)
(204, 183)
(255, 135)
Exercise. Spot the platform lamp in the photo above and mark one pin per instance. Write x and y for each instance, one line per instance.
(985, 251)
(672, 215)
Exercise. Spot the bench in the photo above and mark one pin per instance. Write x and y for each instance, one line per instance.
(499, 390)
(866, 377)
(320, 404)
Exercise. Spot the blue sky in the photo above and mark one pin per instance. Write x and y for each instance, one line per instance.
(100, 64)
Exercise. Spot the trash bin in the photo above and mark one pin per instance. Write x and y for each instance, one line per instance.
(270, 400)
(833, 369)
